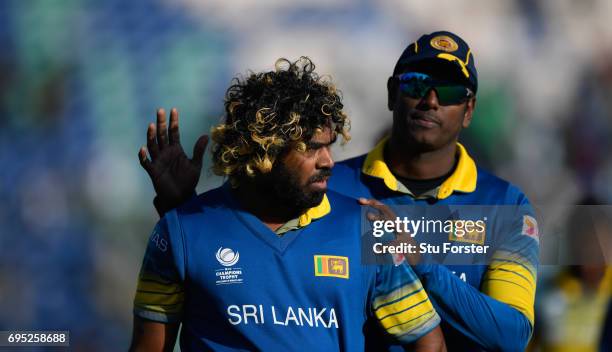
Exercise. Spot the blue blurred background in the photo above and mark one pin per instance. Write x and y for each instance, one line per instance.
(80, 80)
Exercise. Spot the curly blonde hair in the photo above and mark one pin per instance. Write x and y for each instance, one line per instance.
(268, 112)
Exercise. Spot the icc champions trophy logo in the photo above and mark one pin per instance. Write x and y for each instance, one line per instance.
(227, 257)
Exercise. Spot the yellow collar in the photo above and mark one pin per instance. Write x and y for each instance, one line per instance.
(314, 213)
(463, 179)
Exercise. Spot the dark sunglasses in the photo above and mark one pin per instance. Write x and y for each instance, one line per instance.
(416, 85)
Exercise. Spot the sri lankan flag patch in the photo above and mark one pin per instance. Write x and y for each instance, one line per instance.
(331, 265)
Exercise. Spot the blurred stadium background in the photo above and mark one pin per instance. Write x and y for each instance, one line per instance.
(80, 80)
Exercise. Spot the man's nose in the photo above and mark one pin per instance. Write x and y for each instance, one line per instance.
(325, 159)
(430, 100)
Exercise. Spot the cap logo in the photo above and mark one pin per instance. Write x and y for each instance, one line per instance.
(444, 43)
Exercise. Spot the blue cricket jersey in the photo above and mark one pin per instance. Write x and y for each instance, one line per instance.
(495, 309)
(236, 285)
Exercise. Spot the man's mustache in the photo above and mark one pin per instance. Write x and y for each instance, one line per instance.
(323, 174)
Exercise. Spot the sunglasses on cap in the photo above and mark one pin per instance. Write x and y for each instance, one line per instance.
(416, 85)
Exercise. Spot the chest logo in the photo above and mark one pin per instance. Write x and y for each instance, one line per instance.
(227, 257)
(228, 274)
(332, 266)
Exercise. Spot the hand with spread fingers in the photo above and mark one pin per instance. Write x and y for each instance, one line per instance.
(173, 174)
(385, 213)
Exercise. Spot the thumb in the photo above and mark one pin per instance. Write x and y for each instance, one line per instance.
(144, 160)
(198, 149)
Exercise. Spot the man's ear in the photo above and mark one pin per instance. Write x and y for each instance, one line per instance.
(391, 92)
(469, 111)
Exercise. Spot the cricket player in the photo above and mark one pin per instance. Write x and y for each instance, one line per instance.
(432, 95)
(271, 260)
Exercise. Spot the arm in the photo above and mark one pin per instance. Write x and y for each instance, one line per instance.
(401, 306)
(432, 342)
(174, 176)
(498, 315)
(153, 336)
(493, 324)
(160, 293)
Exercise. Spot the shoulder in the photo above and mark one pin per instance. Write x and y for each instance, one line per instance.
(208, 213)
(503, 191)
(215, 198)
(351, 165)
(346, 177)
(343, 208)
(208, 207)
(341, 201)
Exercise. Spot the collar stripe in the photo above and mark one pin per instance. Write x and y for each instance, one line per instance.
(315, 213)
(463, 179)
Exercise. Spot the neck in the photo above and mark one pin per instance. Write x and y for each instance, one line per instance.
(261, 203)
(413, 163)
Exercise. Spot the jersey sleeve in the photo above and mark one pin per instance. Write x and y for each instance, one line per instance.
(400, 304)
(512, 272)
(160, 293)
(490, 323)
(500, 315)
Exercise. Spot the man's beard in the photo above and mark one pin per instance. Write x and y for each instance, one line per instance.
(284, 187)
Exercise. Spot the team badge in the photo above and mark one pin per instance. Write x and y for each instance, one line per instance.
(530, 227)
(474, 236)
(228, 274)
(331, 265)
(444, 43)
(227, 257)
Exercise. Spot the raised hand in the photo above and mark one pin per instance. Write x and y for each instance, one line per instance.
(173, 174)
(385, 213)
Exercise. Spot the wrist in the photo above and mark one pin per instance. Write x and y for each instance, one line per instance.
(161, 206)
(164, 205)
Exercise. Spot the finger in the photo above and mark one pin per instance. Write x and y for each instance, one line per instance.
(144, 160)
(387, 212)
(162, 129)
(151, 142)
(374, 217)
(403, 236)
(363, 201)
(173, 135)
(370, 215)
(198, 150)
(370, 202)
(383, 208)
